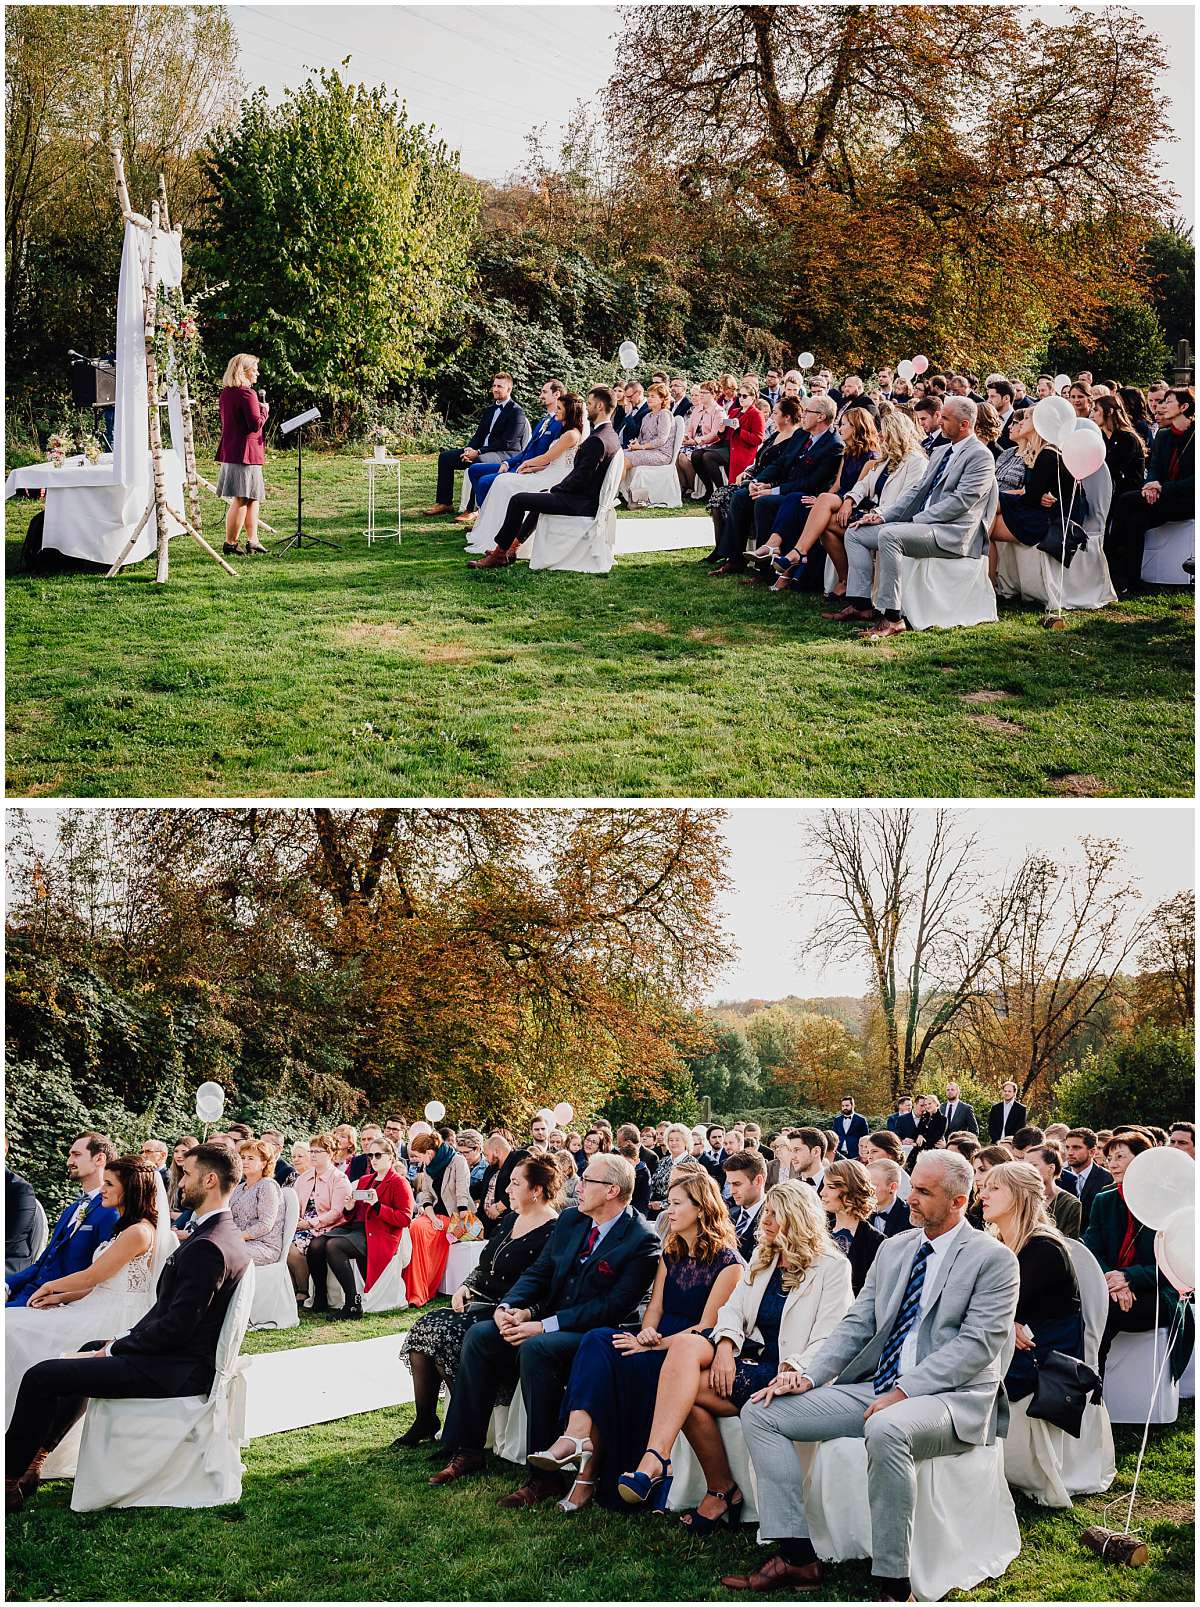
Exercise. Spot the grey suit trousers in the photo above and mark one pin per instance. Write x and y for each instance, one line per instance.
(911, 1431)
(892, 541)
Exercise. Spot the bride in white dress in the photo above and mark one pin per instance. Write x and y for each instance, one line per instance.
(537, 474)
(102, 1300)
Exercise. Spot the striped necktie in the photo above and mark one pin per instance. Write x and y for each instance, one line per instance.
(939, 474)
(888, 1369)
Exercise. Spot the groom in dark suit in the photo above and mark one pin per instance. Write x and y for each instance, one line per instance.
(171, 1351)
(502, 432)
(599, 1262)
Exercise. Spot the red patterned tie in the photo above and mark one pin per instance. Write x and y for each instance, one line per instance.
(591, 1242)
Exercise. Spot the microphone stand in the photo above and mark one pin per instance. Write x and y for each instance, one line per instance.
(300, 536)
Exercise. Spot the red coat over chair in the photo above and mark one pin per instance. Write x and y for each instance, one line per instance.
(242, 420)
(745, 441)
(384, 1222)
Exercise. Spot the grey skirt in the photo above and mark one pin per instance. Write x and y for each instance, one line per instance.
(241, 480)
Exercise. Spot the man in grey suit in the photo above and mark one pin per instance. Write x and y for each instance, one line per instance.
(915, 1367)
(949, 515)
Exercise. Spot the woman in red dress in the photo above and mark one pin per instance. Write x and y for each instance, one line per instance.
(443, 1192)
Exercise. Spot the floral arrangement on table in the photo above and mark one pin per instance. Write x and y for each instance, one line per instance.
(74, 432)
(380, 440)
(178, 350)
(57, 449)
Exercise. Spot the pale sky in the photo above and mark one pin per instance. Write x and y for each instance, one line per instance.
(771, 923)
(487, 74)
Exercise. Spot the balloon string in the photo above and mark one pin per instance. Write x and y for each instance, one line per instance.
(1062, 557)
(1172, 1334)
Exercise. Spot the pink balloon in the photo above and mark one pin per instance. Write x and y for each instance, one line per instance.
(1082, 454)
(920, 364)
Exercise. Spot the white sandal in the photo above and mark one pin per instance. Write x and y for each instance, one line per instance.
(566, 1504)
(573, 1459)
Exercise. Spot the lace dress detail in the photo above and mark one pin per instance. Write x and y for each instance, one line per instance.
(137, 1277)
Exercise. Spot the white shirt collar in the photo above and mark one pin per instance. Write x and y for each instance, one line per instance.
(222, 1210)
(91, 1194)
(942, 1243)
(1080, 1176)
(965, 441)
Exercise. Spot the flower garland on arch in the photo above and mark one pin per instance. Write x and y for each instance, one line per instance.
(178, 350)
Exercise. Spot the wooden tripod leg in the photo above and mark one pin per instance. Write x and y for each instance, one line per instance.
(130, 544)
(196, 536)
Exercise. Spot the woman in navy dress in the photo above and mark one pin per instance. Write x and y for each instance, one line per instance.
(610, 1395)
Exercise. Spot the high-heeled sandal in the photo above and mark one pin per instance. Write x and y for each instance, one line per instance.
(637, 1487)
(789, 564)
(230, 549)
(573, 1459)
(694, 1521)
(766, 551)
(566, 1504)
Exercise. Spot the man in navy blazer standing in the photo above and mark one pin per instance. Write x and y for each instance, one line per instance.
(82, 1228)
(502, 431)
(599, 1262)
(849, 1127)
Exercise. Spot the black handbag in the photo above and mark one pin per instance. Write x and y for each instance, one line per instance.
(1066, 537)
(1064, 1385)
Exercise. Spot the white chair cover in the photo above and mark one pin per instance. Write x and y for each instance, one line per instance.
(41, 1230)
(506, 1432)
(946, 592)
(965, 1527)
(657, 486)
(181, 1451)
(1085, 584)
(1134, 1362)
(688, 1485)
(1089, 1463)
(1187, 1384)
(1033, 1457)
(274, 1297)
(577, 543)
(1168, 547)
(388, 1293)
(462, 1260)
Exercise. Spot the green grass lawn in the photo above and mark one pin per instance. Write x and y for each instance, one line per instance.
(330, 1513)
(396, 672)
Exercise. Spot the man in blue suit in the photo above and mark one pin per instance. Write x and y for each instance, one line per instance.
(902, 1122)
(849, 1127)
(549, 428)
(599, 1262)
(82, 1228)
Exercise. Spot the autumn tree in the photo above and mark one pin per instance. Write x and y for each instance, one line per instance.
(912, 912)
(1070, 928)
(1166, 985)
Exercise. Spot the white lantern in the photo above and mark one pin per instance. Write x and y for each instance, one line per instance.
(805, 360)
(628, 354)
(210, 1101)
(435, 1110)
(563, 1113)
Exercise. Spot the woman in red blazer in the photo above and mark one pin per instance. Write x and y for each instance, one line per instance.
(745, 432)
(377, 1213)
(240, 452)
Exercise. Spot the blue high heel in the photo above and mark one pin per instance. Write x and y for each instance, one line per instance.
(659, 1508)
(694, 1521)
(636, 1488)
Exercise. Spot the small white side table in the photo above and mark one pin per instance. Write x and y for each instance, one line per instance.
(373, 465)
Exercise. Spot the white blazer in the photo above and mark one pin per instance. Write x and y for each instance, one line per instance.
(812, 1311)
(904, 479)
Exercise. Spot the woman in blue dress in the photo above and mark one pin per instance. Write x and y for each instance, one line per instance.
(611, 1392)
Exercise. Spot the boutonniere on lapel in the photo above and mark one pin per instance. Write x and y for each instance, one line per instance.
(604, 1268)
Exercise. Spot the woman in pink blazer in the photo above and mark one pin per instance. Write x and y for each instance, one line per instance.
(704, 425)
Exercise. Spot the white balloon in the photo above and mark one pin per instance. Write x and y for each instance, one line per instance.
(1087, 424)
(1082, 454)
(563, 1113)
(1062, 382)
(210, 1101)
(435, 1110)
(417, 1129)
(628, 354)
(905, 369)
(546, 1115)
(1159, 1182)
(1054, 419)
(1175, 1250)
(805, 360)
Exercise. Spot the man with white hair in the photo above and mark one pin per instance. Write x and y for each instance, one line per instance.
(891, 1212)
(600, 1260)
(915, 1367)
(154, 1153)
(948, 516)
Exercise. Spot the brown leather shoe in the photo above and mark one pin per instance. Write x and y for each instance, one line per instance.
(438, 507)
(496, 559)
(537, 1488)
(843, 616)
(18, 1491)
(460, 1466)
(775, 1574)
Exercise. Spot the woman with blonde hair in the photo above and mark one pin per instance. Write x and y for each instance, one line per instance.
(1049, 1316)
(1023, 515)
(610, 1395)
(801, 520)
(790, 1298)
(880, 487)
(704, 425)
(240, 451)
